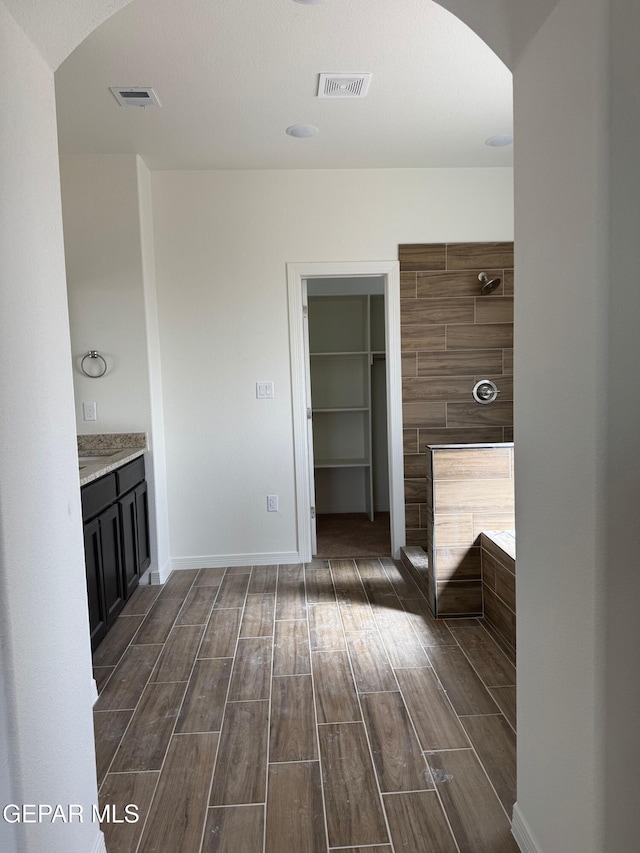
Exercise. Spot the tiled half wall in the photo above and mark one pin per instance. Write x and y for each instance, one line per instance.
(451, 337)
(469, 491)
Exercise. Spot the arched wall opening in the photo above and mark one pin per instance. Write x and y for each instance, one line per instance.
(577, 422)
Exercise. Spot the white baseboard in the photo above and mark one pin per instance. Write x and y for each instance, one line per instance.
(522, 834)
(99, 844)
(94, 691)
(213, 561)
(160, 575)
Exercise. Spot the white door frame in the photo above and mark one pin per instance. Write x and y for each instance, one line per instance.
(296, 273)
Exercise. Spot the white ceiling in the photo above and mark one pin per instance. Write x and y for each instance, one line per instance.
(232, 75)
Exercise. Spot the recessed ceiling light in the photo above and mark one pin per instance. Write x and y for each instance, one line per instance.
(499, 141)
(309, 2)
(302, 130)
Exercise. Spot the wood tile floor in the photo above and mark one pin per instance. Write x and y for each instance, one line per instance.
(302, 709)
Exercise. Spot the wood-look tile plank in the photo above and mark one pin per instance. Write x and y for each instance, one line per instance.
(291, 654)
(496, 310)
(179, 653)
(379, 848)
(140, 602)
(179, 808)
(259, 612)
(335, 692)
(206, 695)
(424, 414)
(402, 645)
(179, 583)
(355, 612)
(354, 811)
(467, 693)
(422, 256)
(120, 790)
(430, 631)
(251, 670)
(478, 821)
(345, 575)
(431, 285)
(264, 580)
(472, 256)
(232, 829)
(495, 743)
(109, 728)
(293, 722)
(488, 660)
(436, 724)
(197, 605)
(221, 634)
(209, 577)
(417, 823)
(114, 644)
(295, 814)
(370, 664)
(145, 743)
(158, 621)
(290, 597)
(319, 584)
(241, 767)
(467, 363)
(506, 699)
(422, 312)
(101, 675)
(397, 756)
(465, 415)
(237, 570)
(124, 688)
(232, 592)
(401, 580)
(325, 628)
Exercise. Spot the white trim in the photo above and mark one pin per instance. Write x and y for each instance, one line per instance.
(213, 561)
(94, 691)
(391, 272)
(161, 575)
(522, 834)
(99, 845)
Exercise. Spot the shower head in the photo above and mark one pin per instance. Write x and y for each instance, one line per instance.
(488, 284)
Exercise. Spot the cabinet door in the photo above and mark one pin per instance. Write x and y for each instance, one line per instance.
(111, 562)
(142, 516)
(128, 533)
(95, 592)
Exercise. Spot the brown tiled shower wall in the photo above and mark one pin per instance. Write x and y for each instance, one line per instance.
(451, 337)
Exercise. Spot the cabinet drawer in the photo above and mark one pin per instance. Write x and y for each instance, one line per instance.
(130, 475)
(98, 495)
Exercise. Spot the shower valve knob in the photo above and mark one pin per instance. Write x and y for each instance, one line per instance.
(485, 391)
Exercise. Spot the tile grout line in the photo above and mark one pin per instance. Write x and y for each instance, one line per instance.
(315, 704)
(428, 772)
(226, 702)
(155, 790)
(362, 717)
(266, 768)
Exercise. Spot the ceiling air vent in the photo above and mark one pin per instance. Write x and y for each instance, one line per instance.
(135, 96)
(343, 85)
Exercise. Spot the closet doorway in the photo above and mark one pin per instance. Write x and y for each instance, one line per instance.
(345, 355)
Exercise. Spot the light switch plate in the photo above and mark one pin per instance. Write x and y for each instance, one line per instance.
(264, 390)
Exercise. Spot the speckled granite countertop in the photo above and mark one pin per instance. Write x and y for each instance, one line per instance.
(104, 452)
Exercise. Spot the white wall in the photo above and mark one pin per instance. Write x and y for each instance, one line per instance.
(105, 289)
(156, 460)
(223, 240)
(45, 708)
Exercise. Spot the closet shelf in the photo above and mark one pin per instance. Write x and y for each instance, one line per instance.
(340, 353)
(319, 411)
(342, 463)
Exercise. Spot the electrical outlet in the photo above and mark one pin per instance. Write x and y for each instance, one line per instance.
(272, 503)
(89, 411)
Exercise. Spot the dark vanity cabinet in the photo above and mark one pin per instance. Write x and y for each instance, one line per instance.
(116, 542)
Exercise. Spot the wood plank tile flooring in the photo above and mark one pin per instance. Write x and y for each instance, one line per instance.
(303, 709)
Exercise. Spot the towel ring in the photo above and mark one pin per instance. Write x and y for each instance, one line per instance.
(94, 354)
